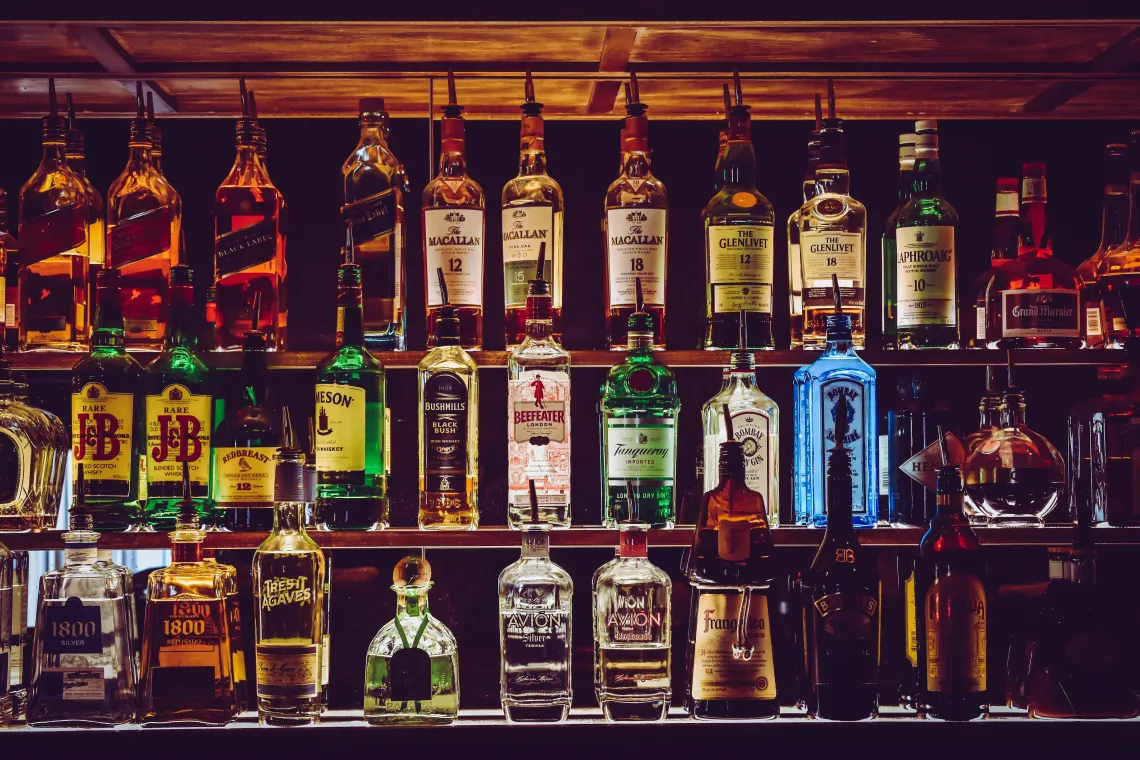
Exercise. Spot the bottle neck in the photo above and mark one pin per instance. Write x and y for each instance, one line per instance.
(532, 148)
(536, 542)
(906, 181)
(636, 164)
(255, 377)
(833, 180)
(371, 132)
(108, 329)
(288, 516)
(926, 181)
(412, 602)
(1013, 410)
(989, 413)
(140, 156)
(182, 333)
(187, 551)
(78, 164)
(640, 341)
(539, 321)
(350, 320)
(453, 150)
(55, 154)
(743, 378)
(730, 468)
(1134, 206)
(738, 166)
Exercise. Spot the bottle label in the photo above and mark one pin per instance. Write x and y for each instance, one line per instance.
(884, 465)
(640, 449)
(71, 685)
(245, 248)
(72, 628)
(16, 474)
(58, 231)
(86, 555)
(326, 640)
(635, 249)
(244, 474)
(535, 645)
(538, 438)
(178, 425)
(525, 228)
(955, 616)
(1093, 327)
(1033, 189)
(980, 323)
(911, 621)
(372, 217)
(740, 268)
(753, 428)
(189, 623)
(410, 675)
(102, 427)
(445, 411)
(139, 237)
(727, 665)
(1035, 312)
(288, 671)
(831, 253)
(340, 428)
(634, 616)
(830, 393)
(9, 315)
(1006, 204)
(925, 276)
(454, 243)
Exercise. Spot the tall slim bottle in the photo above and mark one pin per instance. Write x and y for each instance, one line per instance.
(77, 160)
(890, 283)
(156, 151)
(1003, 249)
(1113, 228)
(795, 266)
(1118, 273)
(11, 279)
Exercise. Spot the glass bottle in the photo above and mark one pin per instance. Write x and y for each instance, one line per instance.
(11, 278)
(833, 241)
(1003, 249)
(7, 643)
(1037, 295)
(54, 247)
(989, 417)
(179, 413)
(795, 265)
(449, 428)
(454, 230)
(234, 625)
(374, 206)
(107, 413)
(175, 200)
(632, 633)
(532, 216)
(1118, 271)
(288, 603)
(907, 157)
(951, 611)
(104, 560)
(913, 449)
(411, 673)
(249, 244)
(349, 412)
(639, 409)
(635, 232)
(34, 448)
(187, 660)
(21, 639)
(1113, 229)
(926, 278)
(77, 160)
(1104, 444)
(838, 373)
(739, 231)
(82, 666)
(535, 603)
(538, 413)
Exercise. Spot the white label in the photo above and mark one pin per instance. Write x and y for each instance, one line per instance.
(1092, 321)
(1006, 204)
(740, 268)
(884, 466)
(635, 249)
(454, 243)
(753, 428)
(83, 685)
(10, 314)
(980, 322)
(856, 442)
(398, 262)
(924, 274)
(831, 253)
(525, 229)
(640, 449)
(83, 556)
(538, 437)
(325, 640)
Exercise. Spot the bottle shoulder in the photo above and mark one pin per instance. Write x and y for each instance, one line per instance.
(927, 212)
(436, 639)
(644, 191)
(546, 353)
(118, 368)
(833, 211)
(295, 542)
(453, 192)
(622, 572)
(177, 364)
(534, 571)
(349, 360)
(532, 190)
(735, 204)
(448, 359)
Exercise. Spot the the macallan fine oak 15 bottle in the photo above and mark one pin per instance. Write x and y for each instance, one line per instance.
(454, 226)
(249, 243)
(532, 215)
(635, 231)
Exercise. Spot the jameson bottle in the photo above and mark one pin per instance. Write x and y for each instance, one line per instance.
(349, 414)
(890, 285)
(107, 413)
(179, 413)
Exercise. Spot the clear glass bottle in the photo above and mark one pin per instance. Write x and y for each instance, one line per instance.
(104, 560)
(1003, 249)
(795, 266)
(289, 604)
(532, 215)
(535, 603)
(1104, 444)
(28, 447)
(411, 673)
(11, 278)
(632, 633)
(21, 639)
(538, 413)
(1118, 272)
(907, 157)
(77, 160)
(1113, 229)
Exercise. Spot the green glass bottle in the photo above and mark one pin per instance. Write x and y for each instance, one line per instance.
(349, 414)
(639, 409)
(179, 413)
(107, 414)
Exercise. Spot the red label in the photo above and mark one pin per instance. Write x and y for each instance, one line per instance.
(139, 237)
(63, 229)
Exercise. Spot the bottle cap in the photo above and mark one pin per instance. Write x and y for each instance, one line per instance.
(1007, 185)
(412, 572)
(54, 126)
(452, 110)
(926, 125)
(371, 105)
(1033, 169)
(530, 106)
(907, 138)
(640, 321)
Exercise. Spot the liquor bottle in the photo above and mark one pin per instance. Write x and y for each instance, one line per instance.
(104, 560)
(82, 666)
(639, 409)
(913, 449)
(1016, 477)
(140, 237)
(833, 240)
(449, 428)
(951, 611)
(756, 421)
(926, 275)
(156, 161)
(535, 603)
(691, 499)
(54, 246)
(1113, 228)
(187, 660)
(454, 229)
(234, 625)
(7, 701)
(1103, 444)
(989, 416)
(890, 259)
(739, 230)
(1037, 295)
(632, 633)
(635, 231)
(374, 205)
(838, 373)
(349, 412)
(731, 660)
(1003, 249)
(843, 586)
(108, 413)
(538, 413)
(20, 639)
(245, 444)
(1118, 271)
(411, 673)
(11, 278)
(249, 244)
(288, 602)
(795, 265)
(532, 216)
(77, 160)
(179, 413)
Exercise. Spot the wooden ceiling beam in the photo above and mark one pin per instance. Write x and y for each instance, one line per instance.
(1112, 59)
(617, 47)
(105, 49)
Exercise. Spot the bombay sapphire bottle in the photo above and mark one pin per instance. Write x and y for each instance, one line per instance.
(839, 373)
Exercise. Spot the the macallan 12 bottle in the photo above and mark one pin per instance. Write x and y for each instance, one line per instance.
(454, 230)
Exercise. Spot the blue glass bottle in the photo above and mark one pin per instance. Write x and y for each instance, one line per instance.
(818, 387)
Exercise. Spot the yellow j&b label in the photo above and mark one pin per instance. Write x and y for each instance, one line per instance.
(177, 431)
(102, 425)
(340, 423)
(244, 474)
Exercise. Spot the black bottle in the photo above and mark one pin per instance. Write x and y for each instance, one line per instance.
(913, 457)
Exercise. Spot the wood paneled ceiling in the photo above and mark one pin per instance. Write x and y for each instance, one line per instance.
(952, 69)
